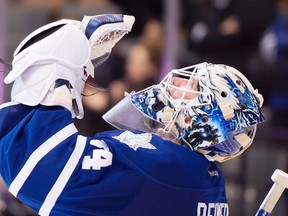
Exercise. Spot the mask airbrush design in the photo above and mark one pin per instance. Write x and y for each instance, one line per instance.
(210, 108)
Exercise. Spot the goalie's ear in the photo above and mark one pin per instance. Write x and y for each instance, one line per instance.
(103, 32)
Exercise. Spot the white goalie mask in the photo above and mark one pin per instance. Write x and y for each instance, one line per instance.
(212, 109)
(52, 64)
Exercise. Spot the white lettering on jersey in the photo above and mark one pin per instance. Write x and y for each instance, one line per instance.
(100, 157)
(136, 141)
(212, 209)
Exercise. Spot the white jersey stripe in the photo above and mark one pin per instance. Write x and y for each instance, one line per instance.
(38, 154)
(63, 178)
(11, 103)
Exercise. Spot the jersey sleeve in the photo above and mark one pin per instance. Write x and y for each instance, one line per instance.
(36, 143)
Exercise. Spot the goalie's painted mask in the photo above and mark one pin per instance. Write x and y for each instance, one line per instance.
(52, 64)
(212, 109)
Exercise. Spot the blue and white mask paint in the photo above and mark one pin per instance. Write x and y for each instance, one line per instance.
(212, 109)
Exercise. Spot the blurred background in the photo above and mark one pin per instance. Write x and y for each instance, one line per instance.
(250, 35)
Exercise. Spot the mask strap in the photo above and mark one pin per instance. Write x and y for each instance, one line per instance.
(227, 110)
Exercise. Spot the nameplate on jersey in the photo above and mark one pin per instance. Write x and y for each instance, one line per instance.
(212, 209)
(136, 141)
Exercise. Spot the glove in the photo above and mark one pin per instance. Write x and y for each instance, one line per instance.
(63, 50)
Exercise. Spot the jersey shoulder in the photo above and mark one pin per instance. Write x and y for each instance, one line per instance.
(161, 160)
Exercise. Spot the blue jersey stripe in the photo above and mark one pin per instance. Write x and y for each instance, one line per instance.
(38, 154)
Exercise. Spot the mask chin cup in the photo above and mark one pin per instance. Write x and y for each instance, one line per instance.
(243, 140)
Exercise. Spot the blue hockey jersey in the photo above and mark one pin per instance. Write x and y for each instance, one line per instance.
(56, 171)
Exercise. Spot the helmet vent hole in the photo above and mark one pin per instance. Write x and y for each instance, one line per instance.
(205, 119)
(188, 120)
(158, 106)
(244, 106)
(207, 107)
(238, 82)
(224, 94)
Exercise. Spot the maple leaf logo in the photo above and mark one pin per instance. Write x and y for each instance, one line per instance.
(136, 141)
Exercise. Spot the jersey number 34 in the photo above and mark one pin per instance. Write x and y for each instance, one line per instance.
(101, 157)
